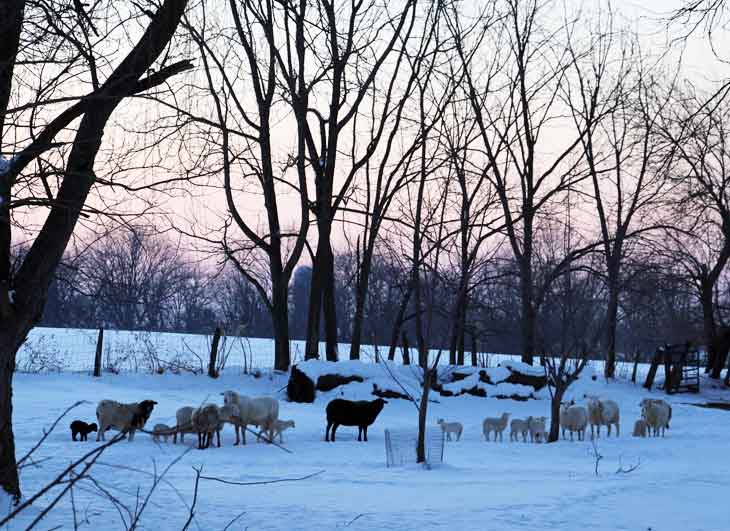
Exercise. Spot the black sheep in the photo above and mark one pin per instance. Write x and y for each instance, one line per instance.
(348, 413)
(79, 427)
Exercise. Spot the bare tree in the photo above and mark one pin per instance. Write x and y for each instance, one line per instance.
(23, 294)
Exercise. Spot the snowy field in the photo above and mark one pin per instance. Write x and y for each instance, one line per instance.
(682, 482)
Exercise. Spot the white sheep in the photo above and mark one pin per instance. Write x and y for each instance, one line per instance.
(518, 427)
(656, 414)
(640, 428)
(123, 417)
(451, 427)
(536, 427)
(184, 419)
(206, 420)
(258, 411)
(574, 419)
(497, 425)
(278, 428)
(602, 413)
(658, 401)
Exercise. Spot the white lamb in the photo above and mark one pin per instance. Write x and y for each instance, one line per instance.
(162, 430)
(536, 427)
(518, 427)
(278, 428)
(656, 414)
(451, 427)
(258, 411)
(603, 413)
(497, 425)
(574, 419)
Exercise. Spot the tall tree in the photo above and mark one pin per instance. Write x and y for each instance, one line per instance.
(24, 293)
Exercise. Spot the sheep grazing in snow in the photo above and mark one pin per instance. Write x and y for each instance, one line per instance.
(451, 427)
(536, 427)
(259, 411)
(497, 425)
(518, 427)
(656, 413)
(348, 413)
(602, 413)
(658, 401)
(640, 428)
(278, 428)
(206, 421)
(161, 430)
(123, 417)
(79, 427)
(184, 419)
(574, 419)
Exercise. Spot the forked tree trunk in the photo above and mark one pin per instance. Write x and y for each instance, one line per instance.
(527, 316)
(611, 324)
(9, 479)
(555, 414)
(708, 325)
(398, 323)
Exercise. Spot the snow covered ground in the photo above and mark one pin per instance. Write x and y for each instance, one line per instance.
(682, 483)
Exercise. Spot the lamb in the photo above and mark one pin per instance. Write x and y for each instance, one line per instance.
(451, 427)
(206, 420)
(123, 417)
(259, 411)
(278, 428)
(658, 401)
(518, 427)
(497, 425)
(640, 428)
(574, 419)
(348, 413)
(184, 425)
(161, 430)
(79, 427)
(602, 413)
(536, 427)
(656, 413)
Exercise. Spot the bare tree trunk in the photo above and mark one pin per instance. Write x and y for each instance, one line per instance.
(611, 323)
(555, 415)
(406, 349)
(214, 352)
(708, 324)
(280, 322)
(361, 290)
(97, 355)
(398, 323)
(9, 479)
(474, 350)
(315, 311)
(422, 412)
(527, 315)
(330, 306)
(636, 367)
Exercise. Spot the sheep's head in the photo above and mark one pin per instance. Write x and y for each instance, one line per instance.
(229, 397)
(144, 411)
(379, 404)
(93, 427)
(505, 416)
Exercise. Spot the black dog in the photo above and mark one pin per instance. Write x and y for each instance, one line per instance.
(81, 428)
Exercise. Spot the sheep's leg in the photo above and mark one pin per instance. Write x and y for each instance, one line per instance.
(327, 432)
(131, 434)
(618, 429)
(334, 429)
(359, 433)
(366, 433)
(218, 433)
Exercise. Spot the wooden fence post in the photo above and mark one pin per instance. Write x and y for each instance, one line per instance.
(97, 355)
(214, 352)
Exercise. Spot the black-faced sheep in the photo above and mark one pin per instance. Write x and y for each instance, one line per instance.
(123, 417)
(79, 427)
(361, 413)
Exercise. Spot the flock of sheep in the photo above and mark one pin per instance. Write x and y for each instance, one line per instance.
(263, 413)
(655, 417)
